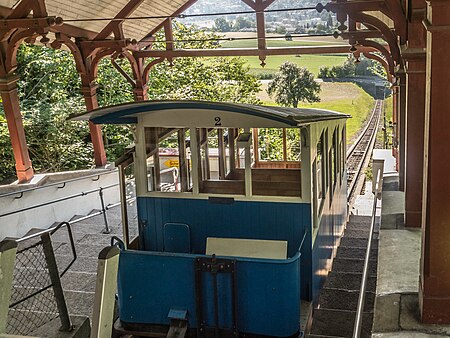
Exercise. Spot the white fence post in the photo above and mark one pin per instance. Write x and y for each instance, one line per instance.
(8, 249)
(105, 290)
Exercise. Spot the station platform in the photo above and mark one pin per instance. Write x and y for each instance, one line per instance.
(396, 311)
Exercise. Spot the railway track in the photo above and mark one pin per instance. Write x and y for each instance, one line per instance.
(358, 154)
(338, 299)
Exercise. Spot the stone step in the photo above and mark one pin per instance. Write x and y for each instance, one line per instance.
(348, 281)
(352, 233)
(359, 253)
(361, 219)
(338, 323)
(362, 226)
(353, 265)
(357, 242)
(339, 299)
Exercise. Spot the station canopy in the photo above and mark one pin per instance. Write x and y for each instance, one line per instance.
(88, 9)
(127, 113)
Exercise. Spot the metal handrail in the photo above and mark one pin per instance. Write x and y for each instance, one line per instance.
(21, 192)
(362, 292)
(59, 200)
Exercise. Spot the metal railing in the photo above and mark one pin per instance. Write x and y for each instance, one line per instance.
(37, 296)
(60, 184)
(362, 292)
(103, 210)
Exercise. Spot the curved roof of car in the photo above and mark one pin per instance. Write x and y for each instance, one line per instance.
(127, 113)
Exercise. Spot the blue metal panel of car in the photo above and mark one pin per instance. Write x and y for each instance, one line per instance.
(240, 219)
(330, 229)
(151, 284)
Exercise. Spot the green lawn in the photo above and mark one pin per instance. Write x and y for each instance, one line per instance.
(312, 62)
(358, 106)
(359, 109)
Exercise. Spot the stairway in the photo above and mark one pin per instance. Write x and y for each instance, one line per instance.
(338, 299)
(79, 281)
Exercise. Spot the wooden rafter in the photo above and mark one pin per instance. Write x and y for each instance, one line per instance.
(116, 25)
(383, 28)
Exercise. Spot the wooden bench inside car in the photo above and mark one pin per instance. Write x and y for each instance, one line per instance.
(243, 247)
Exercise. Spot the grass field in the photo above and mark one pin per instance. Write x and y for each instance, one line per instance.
(358, 108)
(345, 98)
(312, 62)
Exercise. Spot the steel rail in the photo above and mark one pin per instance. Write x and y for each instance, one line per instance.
(358, 139)
(362, 292)
(59, 183)
(373, 126)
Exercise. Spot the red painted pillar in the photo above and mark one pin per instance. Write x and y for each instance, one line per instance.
(10, 98)
(90, 98)
(415, 115)
(434, 293)
(140, 92)
(401, 122)
(395, 124)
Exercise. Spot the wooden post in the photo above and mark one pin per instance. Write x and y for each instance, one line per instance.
(415, 112)
(255, 146)
(221, 154)
(402, 130)
(232, 148)
(8, 249)
(105, 289)
(10, 99)
(183, 160)
(248, 169)
(90, 98)
(204, 142)
(284, 146)
(195, 158)
(123, 205)
(157, 166)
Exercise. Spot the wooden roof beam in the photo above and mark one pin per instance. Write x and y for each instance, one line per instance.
(338, 49)
(25, 7)
(360, 34)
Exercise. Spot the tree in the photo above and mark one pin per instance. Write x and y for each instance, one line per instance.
(280, 29)
(292, 85)
(242, 23)
(222, 25)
